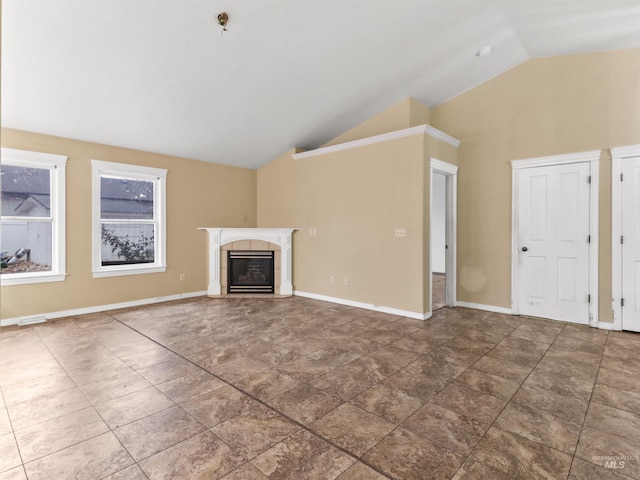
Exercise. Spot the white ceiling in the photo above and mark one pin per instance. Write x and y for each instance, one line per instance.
(160, 76)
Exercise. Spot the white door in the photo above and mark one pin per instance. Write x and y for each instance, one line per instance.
(553, 242)
(631, 244)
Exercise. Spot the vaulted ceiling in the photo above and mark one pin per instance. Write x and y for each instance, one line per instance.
(162, 76)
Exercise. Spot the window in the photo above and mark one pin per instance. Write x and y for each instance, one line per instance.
(128, 219)
(32, 225)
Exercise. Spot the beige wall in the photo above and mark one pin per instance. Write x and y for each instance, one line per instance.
(355, 199)
(545, 106)
(199, 194)
(404, 114)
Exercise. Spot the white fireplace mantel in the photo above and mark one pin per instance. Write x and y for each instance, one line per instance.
(221, 236)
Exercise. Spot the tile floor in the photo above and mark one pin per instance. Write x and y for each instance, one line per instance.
(245, 389)
(438, 291)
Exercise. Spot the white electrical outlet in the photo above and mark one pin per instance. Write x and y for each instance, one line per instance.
(401, 232)
(182, 277)
(332, 280)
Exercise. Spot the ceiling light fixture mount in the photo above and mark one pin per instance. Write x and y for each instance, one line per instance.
(223, 19)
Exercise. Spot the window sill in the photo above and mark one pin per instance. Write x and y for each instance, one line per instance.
(128, 271)
(10, 279)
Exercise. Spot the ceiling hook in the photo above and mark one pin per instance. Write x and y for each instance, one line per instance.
(223, 19)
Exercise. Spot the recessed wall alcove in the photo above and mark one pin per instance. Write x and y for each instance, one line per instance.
(222, 240)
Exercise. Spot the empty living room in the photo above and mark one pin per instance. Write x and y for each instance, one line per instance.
(320, 240)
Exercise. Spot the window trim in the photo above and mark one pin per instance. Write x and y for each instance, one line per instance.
(156, 175)
(56, 164)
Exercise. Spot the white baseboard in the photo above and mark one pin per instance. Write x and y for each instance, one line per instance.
(486, 308)
(101, 308)
(508, 311)
(31, 320)
(606, 326)
(366, 306)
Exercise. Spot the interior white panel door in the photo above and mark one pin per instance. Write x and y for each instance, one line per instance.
(553, 236)
(631, 244)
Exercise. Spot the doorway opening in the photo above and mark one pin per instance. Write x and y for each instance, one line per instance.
(438, 241)
(442, 261)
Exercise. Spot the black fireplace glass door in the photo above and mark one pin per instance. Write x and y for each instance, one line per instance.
(250, 271)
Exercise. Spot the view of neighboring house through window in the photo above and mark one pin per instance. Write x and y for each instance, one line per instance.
(129, 219)
(32, 226)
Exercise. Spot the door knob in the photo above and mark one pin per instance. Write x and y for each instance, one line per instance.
(524, 249)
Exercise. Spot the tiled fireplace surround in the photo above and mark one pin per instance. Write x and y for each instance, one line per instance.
(222, 240)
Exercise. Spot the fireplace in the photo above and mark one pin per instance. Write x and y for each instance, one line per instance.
(250, 271)
(222, 240)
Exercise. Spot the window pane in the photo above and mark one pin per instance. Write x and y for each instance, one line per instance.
(122, 198)
(124, 244)
(26, 247)
(25, 191)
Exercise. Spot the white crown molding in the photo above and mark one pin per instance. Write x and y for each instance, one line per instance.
(37, 158)
(589, 156)
(626, 151)
(441, 166)
(100, 308)
(384, 137)
(440, 135)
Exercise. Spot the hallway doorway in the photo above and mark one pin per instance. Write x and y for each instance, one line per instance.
(442, 234)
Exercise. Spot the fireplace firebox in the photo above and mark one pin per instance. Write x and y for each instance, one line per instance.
(250, 271)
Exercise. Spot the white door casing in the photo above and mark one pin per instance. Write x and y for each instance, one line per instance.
(554, 240)
(631, 244)
(626, 237)
(451, 184)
